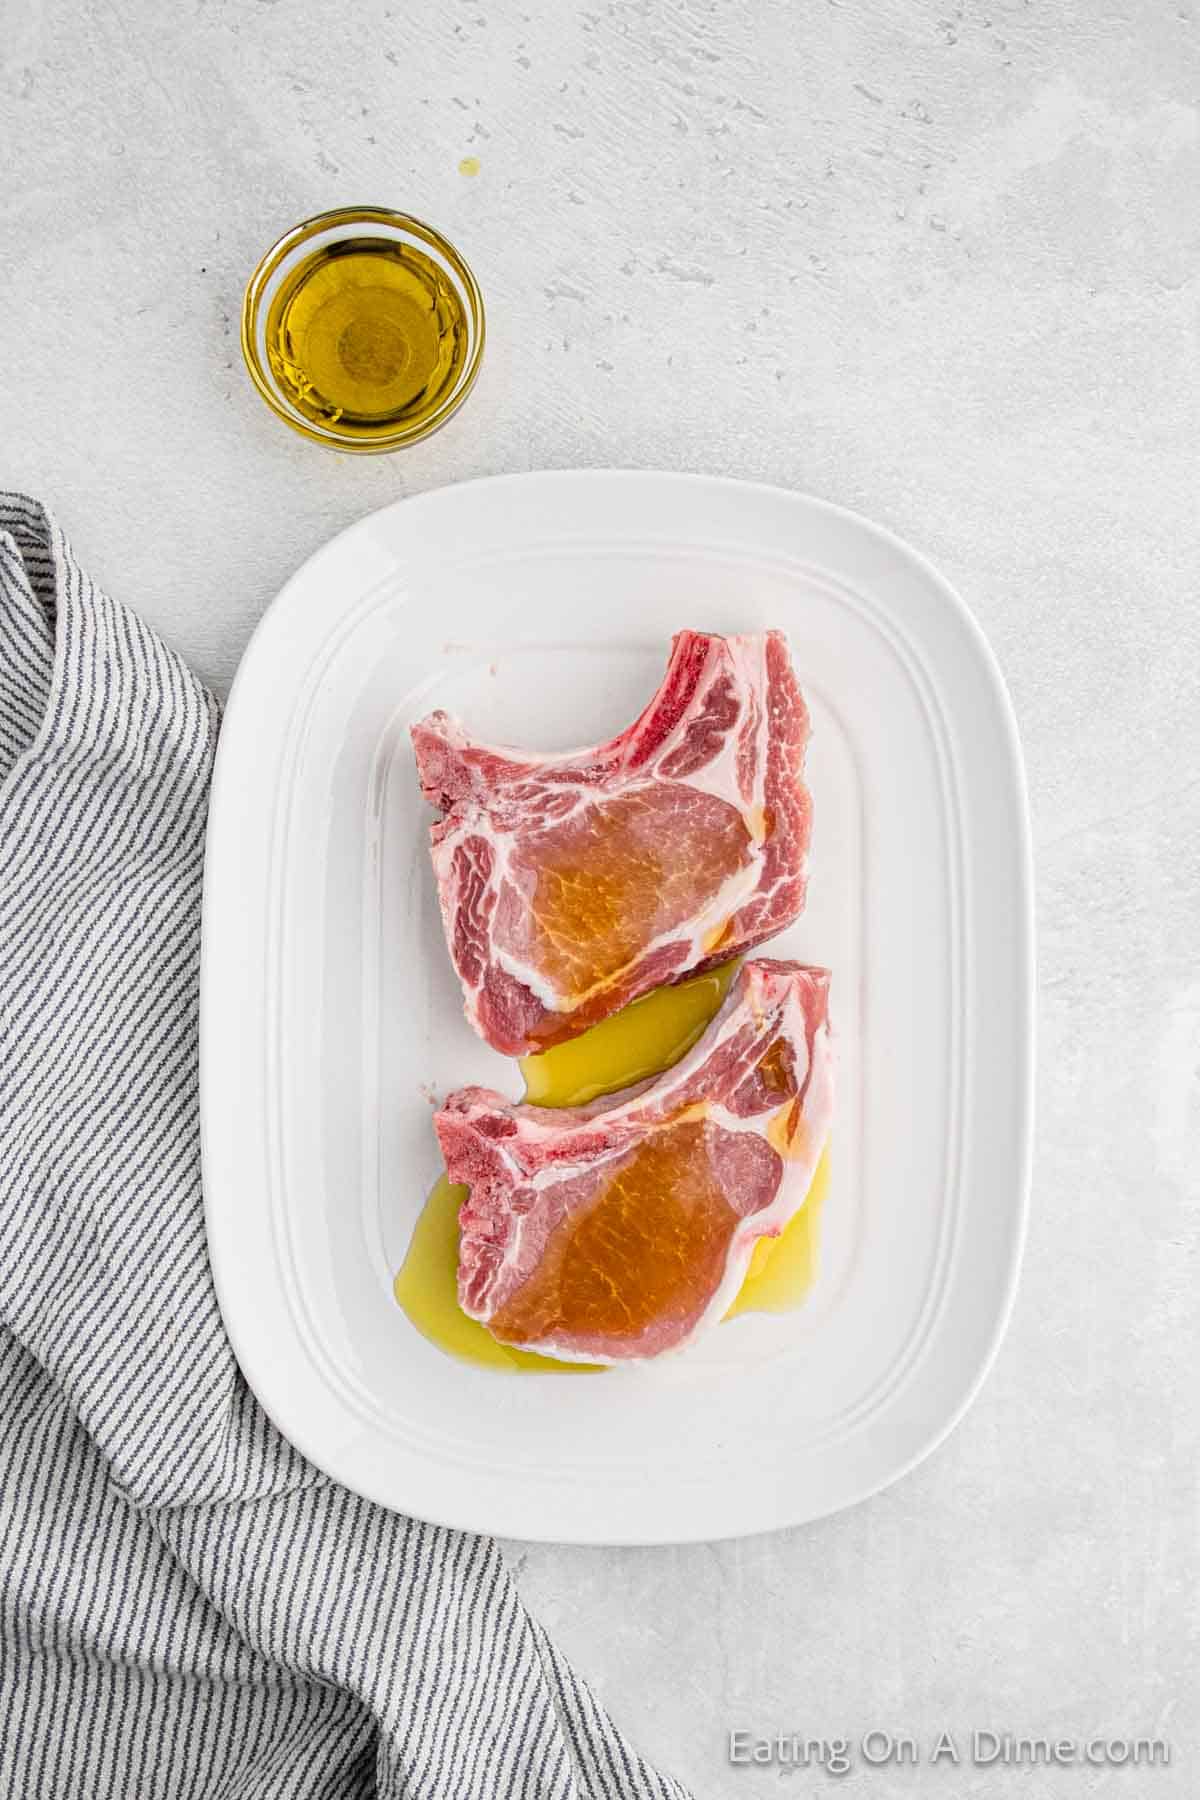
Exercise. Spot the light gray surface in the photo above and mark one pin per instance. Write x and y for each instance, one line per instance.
(934, 261)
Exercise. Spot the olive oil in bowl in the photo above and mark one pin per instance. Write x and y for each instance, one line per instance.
(363, 329)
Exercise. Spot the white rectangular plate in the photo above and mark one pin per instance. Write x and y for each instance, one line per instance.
(539, 609)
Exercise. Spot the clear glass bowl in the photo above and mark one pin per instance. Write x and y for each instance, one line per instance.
(302, 243)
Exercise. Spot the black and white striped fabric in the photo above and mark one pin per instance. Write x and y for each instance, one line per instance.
(189, 1609)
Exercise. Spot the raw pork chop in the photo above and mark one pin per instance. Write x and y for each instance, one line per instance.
(571, 884)
(615, 1231)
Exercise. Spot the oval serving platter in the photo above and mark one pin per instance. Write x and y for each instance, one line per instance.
(538, 608)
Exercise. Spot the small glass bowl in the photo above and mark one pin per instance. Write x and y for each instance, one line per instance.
(302, 242)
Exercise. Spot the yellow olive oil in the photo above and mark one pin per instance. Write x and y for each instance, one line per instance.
(367, 334)
(783, 1269)
(427, 1289)
(644, 1038)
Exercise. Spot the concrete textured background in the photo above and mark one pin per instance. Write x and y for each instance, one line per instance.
(934, 259)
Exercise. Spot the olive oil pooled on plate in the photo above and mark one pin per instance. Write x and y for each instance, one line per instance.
(643, 1038)
(427, 1289)
(367, 334)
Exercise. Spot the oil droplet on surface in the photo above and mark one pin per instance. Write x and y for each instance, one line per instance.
(367, 334)
(641, 1040)
(469, 165)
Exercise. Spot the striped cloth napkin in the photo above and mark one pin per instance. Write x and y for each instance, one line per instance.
(189, 1608)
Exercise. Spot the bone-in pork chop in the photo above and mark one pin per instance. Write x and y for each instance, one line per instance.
(615, 1231)
(571, 884)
